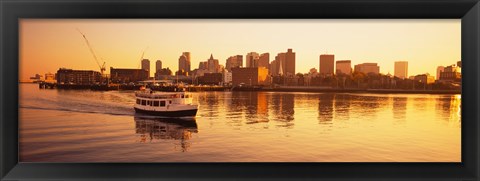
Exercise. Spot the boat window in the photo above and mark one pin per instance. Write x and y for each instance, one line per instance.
(162, 103)
(155, 103)
(138, 101)
(144, 102)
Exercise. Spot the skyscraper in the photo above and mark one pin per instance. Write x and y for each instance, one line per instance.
(289, 67)
(401, 69)
(327, 62)
(158, 65)
(146, 65)
(203, 65)
(273, 69)
(184, 62)
(252, 59)
(213, 64)
(278, 62)
(344, 67)
(368, 68)
(439, 70)
(264, 60)
(234, 61)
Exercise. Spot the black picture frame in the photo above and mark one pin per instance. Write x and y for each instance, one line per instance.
(466, 10)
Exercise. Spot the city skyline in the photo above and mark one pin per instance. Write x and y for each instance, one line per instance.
(41, 43)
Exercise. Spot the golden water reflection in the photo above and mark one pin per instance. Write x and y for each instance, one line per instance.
(150, 129)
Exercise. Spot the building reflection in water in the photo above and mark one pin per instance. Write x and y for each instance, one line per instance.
(367, 106)
(283, 109)
(342, 106)
(152, 129)
(449, 108)
(399, 108)
(210, 103)
(325, 108)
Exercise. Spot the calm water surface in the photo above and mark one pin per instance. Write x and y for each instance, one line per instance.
(89, 126)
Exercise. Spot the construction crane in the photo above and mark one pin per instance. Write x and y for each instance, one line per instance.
(102, 67)
(141, 58)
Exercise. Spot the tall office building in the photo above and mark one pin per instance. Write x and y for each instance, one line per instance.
(264, 60)
(158, 65)
(401, 69)
(344, 67)
(146, 65)
(327, 62)
(439, 70)
(368, 68)
(184, 62)
(252, 59)
(213, 65)
(289, 67)
(273, 68)
(203, 65)
(234, 61)
(275, 65)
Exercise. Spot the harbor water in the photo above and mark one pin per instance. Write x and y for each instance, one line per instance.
(101, 126)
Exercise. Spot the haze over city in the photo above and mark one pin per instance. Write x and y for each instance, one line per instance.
(46, 45)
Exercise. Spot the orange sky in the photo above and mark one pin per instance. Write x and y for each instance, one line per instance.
(48, 44)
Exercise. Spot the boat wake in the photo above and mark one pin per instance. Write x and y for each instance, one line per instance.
(130, 112)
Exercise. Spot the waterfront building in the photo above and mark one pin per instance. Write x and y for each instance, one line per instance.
(251, 76)
(184, 62)
(451, 74)
(234, 61)
(211, 79)
(252, 59)
(425, 78)
(264, 60)
(146, 65)
(123, 75)
(344, 67)
(227, 77)
(326, 64)
(78, 77)
(367, 68)
(401, 69)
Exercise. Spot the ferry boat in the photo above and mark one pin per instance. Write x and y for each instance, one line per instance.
(165, 104)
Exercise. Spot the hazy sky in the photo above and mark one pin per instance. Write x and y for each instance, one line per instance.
(48, 44)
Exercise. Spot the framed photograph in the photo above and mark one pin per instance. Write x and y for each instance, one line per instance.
(244, 90)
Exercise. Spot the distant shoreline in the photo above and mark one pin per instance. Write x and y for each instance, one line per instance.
(325, 90)
(375, 91)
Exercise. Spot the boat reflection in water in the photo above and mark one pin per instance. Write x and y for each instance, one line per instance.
(151, 129)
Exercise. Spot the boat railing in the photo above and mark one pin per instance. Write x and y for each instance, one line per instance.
(156, 96)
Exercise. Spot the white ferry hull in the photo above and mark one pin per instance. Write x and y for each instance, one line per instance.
(173, 114)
